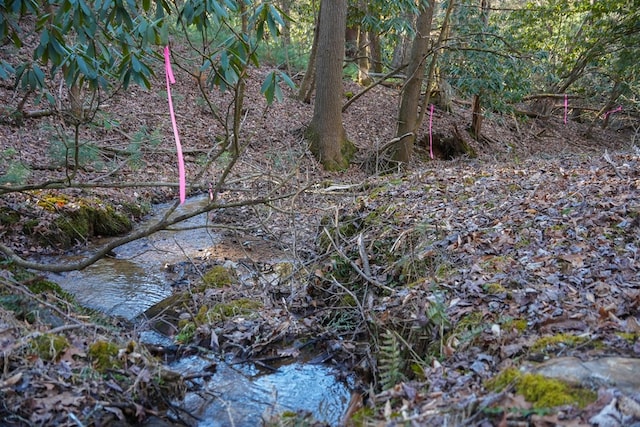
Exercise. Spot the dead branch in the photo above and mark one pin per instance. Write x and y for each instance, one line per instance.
(551, 96)
(381, 80)
(162, 224)
(353, 265)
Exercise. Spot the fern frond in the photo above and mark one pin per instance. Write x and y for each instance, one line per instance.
(390, 360)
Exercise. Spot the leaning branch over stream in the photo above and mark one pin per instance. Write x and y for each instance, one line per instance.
(166, 221)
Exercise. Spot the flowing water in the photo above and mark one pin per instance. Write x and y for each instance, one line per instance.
(236, 395)
(136, 278)
(242, 395)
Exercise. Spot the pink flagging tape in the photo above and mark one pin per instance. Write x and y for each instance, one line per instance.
(566, 107)
(430, 133)
(612, 111)
(171, 80)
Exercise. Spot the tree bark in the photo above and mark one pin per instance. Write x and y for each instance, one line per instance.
(363, 58)
(375, 49)
(308, 81)
(408, 114)
(329, 142)
(476, 117)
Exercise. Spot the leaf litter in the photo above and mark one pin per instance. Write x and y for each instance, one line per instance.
(429, 281)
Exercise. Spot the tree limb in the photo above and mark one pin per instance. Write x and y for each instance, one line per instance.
(371, 86)
(162, 224)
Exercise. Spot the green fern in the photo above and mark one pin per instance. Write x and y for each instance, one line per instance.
(390, 360)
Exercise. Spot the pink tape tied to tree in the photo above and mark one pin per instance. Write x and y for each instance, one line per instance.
(171, 80)
(612, 111)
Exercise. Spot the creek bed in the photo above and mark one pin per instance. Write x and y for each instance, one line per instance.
(137, 278)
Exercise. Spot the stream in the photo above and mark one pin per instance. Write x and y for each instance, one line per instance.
(137, 278)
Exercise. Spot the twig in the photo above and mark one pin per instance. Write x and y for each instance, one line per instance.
(162, 224)
(16, 286)
(368, 88)
(364, 257)
(607, 159)
(361, 273)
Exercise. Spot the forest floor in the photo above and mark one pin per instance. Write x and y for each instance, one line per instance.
(427, 281)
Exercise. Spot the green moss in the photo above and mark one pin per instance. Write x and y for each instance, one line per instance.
(503, 380)
(631, 338)
(548, 343)
(104, 355)
(107, 222)
(79, 218)
(187, 333)
(49, 346)
(519, 325)
(494, 288)
(348, 300)
(69, 229)
(40, 286)
(202, 316)
(239, 307)
(218, 277)
(545, 392)
(540, 391)
(8, 216)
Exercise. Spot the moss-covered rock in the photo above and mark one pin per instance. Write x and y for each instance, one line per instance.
(549, 343)
(104, 355)
(218, 277)
(540, 391)
(75, 219)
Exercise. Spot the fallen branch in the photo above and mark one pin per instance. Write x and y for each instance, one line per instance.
(353, 265)
(166, 221)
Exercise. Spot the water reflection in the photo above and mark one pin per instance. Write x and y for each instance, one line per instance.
(118, 287)
(243, 396)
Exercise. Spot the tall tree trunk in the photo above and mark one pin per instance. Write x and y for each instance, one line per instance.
(375, 49)
(329, 142)
(476, 113)
(435, 83)
(308, 81)
(363, 58)
(400, 53)
(408, 114)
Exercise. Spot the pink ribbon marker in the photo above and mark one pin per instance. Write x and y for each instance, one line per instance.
(612, 111)
(566, 107)
(171, 80)
(430, 135)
